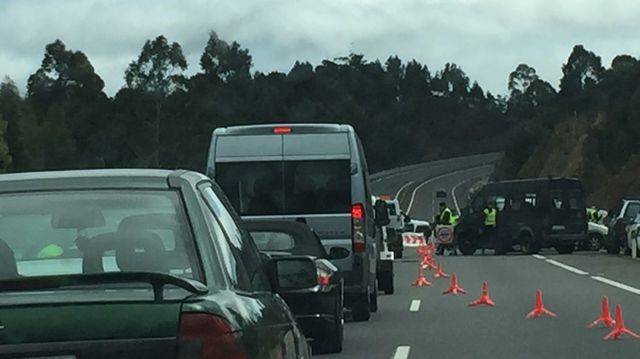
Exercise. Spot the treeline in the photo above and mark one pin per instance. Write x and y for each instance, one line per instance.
(404, 112)
(162, 118)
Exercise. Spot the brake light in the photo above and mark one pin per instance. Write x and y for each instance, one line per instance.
(207, 336)
(281, 130)
(324, 280)
(357, 227)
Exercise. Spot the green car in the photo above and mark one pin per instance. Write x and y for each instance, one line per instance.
(138, 264)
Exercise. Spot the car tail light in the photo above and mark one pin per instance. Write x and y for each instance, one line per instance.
(324, 277)
(207, 336)
(357, 227)
(281, 130)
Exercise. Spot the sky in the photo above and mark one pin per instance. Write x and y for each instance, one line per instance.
(487, 38)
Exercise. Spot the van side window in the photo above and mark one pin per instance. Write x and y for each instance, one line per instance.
(530, 200)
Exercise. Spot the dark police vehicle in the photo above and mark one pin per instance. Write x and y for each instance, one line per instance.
(532, 213)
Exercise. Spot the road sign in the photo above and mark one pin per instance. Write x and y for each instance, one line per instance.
(412, 239)
(444, 234)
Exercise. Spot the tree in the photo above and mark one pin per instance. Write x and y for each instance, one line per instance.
(581, 72)
(223, 61)
(521, 78)
(157, 73)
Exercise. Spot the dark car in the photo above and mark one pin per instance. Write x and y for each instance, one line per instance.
(620, 217)
(319, 310)
(533, 213)
(138, 264)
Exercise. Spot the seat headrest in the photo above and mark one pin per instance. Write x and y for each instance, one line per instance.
(141, 251)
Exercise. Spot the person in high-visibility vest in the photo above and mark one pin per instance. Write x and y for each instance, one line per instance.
(489, 214)
(445, 217)
(592, 214)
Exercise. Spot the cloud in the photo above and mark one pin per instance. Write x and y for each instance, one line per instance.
(488, 38)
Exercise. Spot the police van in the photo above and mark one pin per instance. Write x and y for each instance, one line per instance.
(532, 213)
(313, 173)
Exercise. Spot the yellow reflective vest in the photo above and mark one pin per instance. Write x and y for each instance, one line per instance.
(490, 217)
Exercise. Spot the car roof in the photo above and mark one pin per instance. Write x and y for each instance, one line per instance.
(95, 179)
(267, 129)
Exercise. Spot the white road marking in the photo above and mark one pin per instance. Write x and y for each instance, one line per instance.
(402, 352)
(415, 305)
(538, 256)
(616, 284)
(415, 191)
(402, 188)
(567, 267)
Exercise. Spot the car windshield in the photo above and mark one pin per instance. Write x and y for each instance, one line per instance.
(288, 187)
(82, 232)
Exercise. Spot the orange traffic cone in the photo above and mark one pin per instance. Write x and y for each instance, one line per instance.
(605, 316)
(454, 288)
(619, 329)
(484, 297)
(539, 308)
(439, 273)
(427, 263)
(421, 281)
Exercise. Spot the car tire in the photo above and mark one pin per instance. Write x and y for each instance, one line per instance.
(528, 244)
(594, 242)
(565, 248)
(613, 247)
(333, 335)
(373, 299)
(385, 281)
(360, 310)
(466, 246)
(397, 254)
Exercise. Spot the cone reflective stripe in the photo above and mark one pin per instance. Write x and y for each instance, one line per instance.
(421, 281)
(605, 316)
(619, 329)
(539, 308)
(454, 288)
(484, 297)
(439, 273)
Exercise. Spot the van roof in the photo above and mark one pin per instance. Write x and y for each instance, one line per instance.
(267, 129)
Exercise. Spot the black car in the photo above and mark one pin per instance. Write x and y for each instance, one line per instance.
(532, 213)
(319, 310)
(138, 264)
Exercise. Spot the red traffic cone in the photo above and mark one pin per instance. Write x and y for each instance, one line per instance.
(605, 316)
(619, 329)
(484, 297)
(427, 263)
(439, 273)
(539, 308)
(454, 288)
(421, 281)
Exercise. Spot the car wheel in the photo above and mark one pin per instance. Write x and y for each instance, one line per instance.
(333, 336)
(385, 281)
(373, 299)
(613, 247)
(398, 254)
(528, 244)
(466, 246)
(594, 243)
(565, 248)
(360, 310)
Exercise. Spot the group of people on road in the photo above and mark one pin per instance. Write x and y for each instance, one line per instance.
(447, 217)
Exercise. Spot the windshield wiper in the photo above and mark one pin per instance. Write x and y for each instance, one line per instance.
(157, 280)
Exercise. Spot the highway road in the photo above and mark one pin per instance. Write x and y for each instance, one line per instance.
(423, 323)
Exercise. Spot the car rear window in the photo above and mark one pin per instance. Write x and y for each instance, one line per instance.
(80, 232)
(287, 187)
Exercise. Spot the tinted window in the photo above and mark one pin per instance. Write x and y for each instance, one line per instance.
(290, 187)
(74, 232)
(632, 210)
(273, 241)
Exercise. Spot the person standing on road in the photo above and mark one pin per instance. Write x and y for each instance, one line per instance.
(489, 215)
(444, 218)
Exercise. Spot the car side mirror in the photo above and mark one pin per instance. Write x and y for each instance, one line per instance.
(294, 273)
(381, 213)
(338, 253)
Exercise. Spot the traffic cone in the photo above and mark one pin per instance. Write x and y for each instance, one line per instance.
(427, 263)
(454, 288)
(619, 329)
(539, 308)
(484, 297)
(421, 281)
(439, 273)
(605, 316)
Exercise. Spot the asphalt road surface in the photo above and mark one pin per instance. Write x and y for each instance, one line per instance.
(423, 323)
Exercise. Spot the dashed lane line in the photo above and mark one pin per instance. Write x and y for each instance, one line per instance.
(415, 305)
(402, 352)
(566, 267)
(538, 256)
(622, 286)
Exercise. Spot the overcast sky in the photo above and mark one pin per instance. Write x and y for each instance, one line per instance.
(488, 38)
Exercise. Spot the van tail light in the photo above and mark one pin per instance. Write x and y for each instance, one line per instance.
(206, 336)
(281, 130)
(357, 227)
